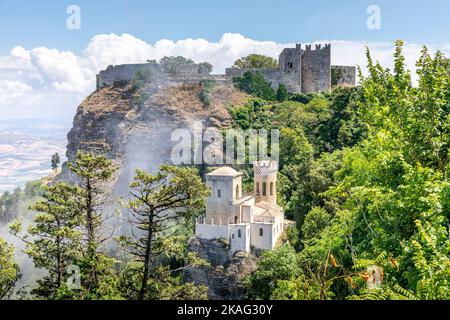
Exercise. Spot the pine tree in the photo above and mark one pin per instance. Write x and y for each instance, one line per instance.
(53, 240)
(93, 173)
(158, 202)
(55, 161)
(282, 93)
(9, 270)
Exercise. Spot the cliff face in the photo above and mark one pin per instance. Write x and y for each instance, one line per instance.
(224, 277)
(134, 127)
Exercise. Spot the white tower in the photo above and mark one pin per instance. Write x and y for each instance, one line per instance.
(226, 187)
(265, 179)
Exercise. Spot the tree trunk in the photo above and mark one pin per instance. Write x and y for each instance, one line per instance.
(91, 249)
(148, 251)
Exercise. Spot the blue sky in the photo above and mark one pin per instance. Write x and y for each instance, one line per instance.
(42, 23)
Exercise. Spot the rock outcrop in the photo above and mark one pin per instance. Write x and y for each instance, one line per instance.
(134, 127)
(224, 277)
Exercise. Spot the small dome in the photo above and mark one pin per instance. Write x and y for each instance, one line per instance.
(224, 171)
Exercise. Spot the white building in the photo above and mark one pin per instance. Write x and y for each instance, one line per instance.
(250, 220)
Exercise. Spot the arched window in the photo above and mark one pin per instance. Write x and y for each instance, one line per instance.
(264, 189)
(236, 219)
(239, 234)
(271, 189)
(219, 193)
(257, 188)
(237, 192)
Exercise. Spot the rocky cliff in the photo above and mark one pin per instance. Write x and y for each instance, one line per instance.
(134, 127)
(224, 276)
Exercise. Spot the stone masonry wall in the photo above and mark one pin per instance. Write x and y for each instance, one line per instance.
(290, 61)
(273, 76)
(124, 72)
(316, 69)
(300, 70)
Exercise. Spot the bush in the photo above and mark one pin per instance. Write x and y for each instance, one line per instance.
(254, 83)
(205, 94)
(282, 93)
(141, 77)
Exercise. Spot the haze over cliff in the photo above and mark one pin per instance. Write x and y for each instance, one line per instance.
(134, 128)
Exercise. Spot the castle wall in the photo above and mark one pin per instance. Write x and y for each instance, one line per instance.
(273, 76)
(211, 231)
(290, 61)
(124, 72)
(239, 237)
(316, 69)
(300, 70)
(265, 241)
(343, 76)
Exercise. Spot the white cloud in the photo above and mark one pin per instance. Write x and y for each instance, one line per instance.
(11, 90)
(59, 69)
(43, 82)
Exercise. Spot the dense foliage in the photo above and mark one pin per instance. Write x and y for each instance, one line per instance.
(255, 84)
(364, 172)
(9, 270)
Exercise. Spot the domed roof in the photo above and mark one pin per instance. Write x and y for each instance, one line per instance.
(225, 171)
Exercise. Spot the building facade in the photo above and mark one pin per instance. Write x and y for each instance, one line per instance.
(245, 220)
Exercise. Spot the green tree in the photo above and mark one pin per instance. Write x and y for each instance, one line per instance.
(315, 222)
(55, 162)
(208, 66)
(141, 77)
(282, 93)
(9, 270)
(392, 104)
(255, 84)
(256, 61)
(53, 240)
(170, 64)
(273, 266)
(255, 114)
(158, 202)
(93, 173)
(207, 89)
(391, 192)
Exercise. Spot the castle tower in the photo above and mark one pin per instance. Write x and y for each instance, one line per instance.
(290, 61)
(265, 179)
(316, 68)
(225, 184)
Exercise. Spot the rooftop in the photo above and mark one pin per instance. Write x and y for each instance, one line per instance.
(225, 171)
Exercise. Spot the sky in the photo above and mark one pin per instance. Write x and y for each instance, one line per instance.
(46, 69)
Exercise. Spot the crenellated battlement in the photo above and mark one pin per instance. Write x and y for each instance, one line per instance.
(300, 71)
(265, 167)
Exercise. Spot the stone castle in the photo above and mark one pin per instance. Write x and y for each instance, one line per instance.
(246, 221)
(301, 70)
